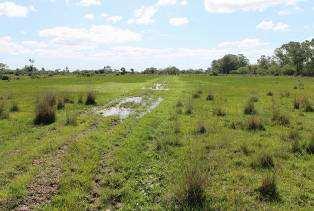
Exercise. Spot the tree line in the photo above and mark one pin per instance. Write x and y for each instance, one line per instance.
(293, 58)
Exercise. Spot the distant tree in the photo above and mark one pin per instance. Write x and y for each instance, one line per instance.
(132, 71)
(150, 70)
(229, 63)
(264, 62)
(123, 71)
(292, 53)
(171, 70)
(3, 67)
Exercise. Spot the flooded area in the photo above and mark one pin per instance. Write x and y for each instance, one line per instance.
(125, 107)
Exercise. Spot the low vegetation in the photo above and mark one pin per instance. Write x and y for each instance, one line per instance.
(233, 147)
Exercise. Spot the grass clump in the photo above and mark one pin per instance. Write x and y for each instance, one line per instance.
(285, 94)
(254, 98)
(280, 118)
(3, 113)
(14, 107)
(189, 108)
(264, 161)
(270, 93)
(61, 103)
(249, 108)
(268, 189)
(80, 100)
(90, 98)
(201, 129)
(210, 96)
(179, 104)
(196, 95)
(310, 145)
(254, 123)
(45, 111)
(219, 111)
(189, 193)
(302, 102)
(71, 119)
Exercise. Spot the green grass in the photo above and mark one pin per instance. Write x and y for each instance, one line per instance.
(167, 159)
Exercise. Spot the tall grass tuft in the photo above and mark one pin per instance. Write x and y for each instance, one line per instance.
(189, 192)
(45, 110)
(71, 119)
(249, 108)
(60, 103)
(255, 123)
(268, 189)
(264, 160)
(3, 113)
(14, 107)
(90, 98)
(210, 96)
(280, 119)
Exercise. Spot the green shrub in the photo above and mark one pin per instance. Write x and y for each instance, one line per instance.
(268, 190)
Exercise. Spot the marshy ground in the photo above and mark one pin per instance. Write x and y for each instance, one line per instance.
(191, 141)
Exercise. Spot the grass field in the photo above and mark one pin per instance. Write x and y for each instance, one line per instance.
(221, 142)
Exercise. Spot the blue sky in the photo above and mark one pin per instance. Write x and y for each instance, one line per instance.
(143, 33)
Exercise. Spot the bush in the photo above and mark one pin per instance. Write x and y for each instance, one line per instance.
(14, 107)
(45, 111)
(210, 97)
(90, 99)
(249, 108)
(294, 135)
(296, 147)
(268, 190)
(280, 119)
(255, 123)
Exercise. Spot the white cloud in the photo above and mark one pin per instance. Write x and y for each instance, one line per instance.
(96, 34)
(183, 2)
(166, 2)
(130, 55)
(229, 6)
(11, 9)
(178, 21)
(111, 19)
(87, 3)
(144, 15)
(284, 13)
(270, 25)
(89, 16)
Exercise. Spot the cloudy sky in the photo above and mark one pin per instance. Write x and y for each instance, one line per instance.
(142, 33)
